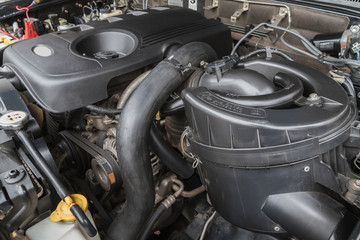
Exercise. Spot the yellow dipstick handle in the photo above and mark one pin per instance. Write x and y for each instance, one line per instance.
(62, 211)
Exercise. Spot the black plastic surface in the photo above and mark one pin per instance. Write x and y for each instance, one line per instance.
(18, 199)
(219, 228)
(249, 153)
(66, 79)
(218, 122)
(244, 82)
(329, 43)
(108, 44)
(314, 222)
(250, 88)
(20, 192)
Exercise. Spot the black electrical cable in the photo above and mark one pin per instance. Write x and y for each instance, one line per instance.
(105, 111)
(264, 50)
(313, 51)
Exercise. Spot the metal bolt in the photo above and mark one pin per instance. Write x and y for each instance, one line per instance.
(203, 63)
(355, 28)
(357, 183)
(14, 173)
(306, 169)
(313, 97)
(277, 228)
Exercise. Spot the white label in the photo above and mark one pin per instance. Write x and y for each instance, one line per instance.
(137, 13)
(178, 3)
(160, 8)
(193, 4)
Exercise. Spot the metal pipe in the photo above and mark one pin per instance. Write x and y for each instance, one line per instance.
(190, 194)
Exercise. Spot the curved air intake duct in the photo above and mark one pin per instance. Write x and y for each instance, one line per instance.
(268, 153)
(133, 137)
(250, 88)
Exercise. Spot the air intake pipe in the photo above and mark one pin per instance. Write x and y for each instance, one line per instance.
(133, 136)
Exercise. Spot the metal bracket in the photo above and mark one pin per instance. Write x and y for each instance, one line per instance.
(238, 13)
(275, 20)
(214, 4)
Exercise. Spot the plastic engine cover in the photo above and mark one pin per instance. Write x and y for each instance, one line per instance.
(70, 69)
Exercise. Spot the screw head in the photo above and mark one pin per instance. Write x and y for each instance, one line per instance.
(357, 182)
(203, 64)
(313, 97)
(355, 28)
(14, 173)
(14, 176)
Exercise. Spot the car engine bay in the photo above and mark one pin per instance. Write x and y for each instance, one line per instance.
(179, 120)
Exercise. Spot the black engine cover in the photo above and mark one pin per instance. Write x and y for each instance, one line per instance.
(71, 69)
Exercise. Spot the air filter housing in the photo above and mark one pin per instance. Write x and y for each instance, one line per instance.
(267, 158)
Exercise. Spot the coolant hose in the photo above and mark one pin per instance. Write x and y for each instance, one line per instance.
(132, 137)
(173, 160)
(105, 111)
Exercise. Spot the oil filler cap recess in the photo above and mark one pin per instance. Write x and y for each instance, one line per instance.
(106, 55)
(13, 120)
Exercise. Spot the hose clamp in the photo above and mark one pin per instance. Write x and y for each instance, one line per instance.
(179, 67)
(321, 57)
(188, 154)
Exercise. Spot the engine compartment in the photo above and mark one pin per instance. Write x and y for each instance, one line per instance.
(179, 120)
